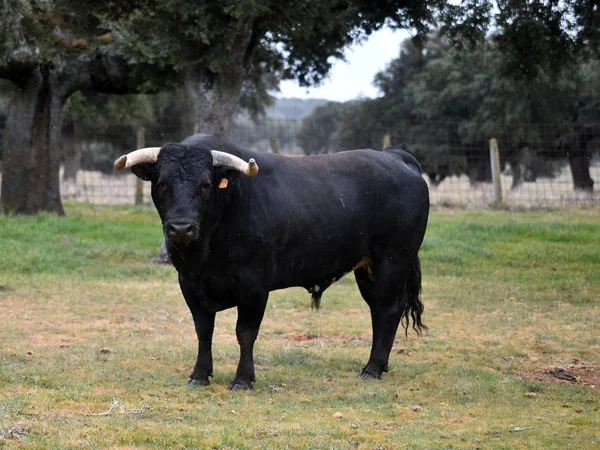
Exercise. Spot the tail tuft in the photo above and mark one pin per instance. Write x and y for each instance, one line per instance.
(412, 303)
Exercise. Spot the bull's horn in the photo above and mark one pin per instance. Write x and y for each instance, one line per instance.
(249, 168)
(143, 155)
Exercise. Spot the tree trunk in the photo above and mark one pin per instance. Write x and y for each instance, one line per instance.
(215, 98)
(479, 169)
(71, 162)
(30, 181)
(163, 254)
(71, 154)
(579, 161)
(32, 150)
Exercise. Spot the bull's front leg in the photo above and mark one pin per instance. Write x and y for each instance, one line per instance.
(204, 322)
(249, 319)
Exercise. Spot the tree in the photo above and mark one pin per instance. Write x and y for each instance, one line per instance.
(446, 104)
(54, 48)
(318, 133)
(214, 44)
(48, 54)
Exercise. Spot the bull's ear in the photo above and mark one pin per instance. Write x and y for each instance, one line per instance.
(225, 173)
(145, 171)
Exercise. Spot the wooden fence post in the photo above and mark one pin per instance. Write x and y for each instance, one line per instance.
(495, 164)
(387, 142)
(274, 144)
(139, 184)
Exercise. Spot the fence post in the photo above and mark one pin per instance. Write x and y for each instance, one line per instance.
(274, 144)
(139, 184)
(495, 164)
(387, 142)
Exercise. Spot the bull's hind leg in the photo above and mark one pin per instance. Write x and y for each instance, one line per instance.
(392, 296)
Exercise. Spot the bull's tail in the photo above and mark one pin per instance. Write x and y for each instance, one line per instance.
(410, 300)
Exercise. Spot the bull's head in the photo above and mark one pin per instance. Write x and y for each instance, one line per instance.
(185, 183)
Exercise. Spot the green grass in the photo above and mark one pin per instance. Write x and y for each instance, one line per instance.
(507, 296)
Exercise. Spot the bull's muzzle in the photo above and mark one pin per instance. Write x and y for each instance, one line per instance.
(181, 232)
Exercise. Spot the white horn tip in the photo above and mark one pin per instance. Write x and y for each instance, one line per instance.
(252, 167)
(121, 163)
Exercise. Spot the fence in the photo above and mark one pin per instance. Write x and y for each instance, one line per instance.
(532, 173)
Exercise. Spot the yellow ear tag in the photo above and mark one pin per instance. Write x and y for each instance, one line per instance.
(223, 183)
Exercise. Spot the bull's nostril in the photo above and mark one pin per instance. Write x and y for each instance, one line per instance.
(180, 231)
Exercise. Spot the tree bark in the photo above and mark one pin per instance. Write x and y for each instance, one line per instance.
(215, 98)
(71, 162)
(575, 144)
(478, 167)
(71, 154)
(579, 161)
(30, 181)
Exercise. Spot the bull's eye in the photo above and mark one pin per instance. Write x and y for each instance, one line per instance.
(206, 185)
(160, 188)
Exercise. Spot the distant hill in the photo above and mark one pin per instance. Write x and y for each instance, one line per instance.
(294, 108)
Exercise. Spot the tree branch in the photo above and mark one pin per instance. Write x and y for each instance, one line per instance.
(17, 72)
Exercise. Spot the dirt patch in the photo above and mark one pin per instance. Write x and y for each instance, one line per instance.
(579, 374)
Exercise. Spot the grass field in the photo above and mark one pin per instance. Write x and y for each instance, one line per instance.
(96, 344)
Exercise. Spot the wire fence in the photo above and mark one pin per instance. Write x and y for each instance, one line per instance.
(539, 167)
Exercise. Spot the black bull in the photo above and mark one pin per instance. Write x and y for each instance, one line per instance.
(299, 222)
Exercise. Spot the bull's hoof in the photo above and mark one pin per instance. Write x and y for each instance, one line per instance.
(198, 382)
(372, 372)
(240, 385)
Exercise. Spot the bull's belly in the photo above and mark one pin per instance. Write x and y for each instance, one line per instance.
(316, 275)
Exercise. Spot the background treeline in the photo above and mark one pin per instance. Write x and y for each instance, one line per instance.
(445, 105)
(442, 103)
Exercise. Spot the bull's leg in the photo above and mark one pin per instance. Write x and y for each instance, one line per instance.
(249, 318)
(367, 289)
(385, 319)
(204, 322)
(387, 299)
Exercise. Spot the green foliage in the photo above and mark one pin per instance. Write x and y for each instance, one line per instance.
(102, 110)
(532, 36)
(294, 40)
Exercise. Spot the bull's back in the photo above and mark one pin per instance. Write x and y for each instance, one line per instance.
(328, 212)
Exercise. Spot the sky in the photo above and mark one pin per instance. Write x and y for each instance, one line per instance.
(353, 78)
